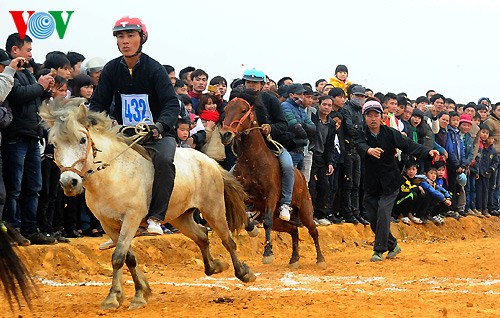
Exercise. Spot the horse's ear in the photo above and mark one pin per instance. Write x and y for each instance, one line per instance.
(81, 115)
(45, 113)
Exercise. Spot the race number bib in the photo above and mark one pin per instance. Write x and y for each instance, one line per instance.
(135, 108)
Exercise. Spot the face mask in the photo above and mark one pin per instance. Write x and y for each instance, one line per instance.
(357, 101)
(298, 100)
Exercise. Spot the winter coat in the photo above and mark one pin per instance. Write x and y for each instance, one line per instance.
(382, 175)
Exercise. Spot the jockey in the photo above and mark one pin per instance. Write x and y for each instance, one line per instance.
(142, 92)
(277, 127)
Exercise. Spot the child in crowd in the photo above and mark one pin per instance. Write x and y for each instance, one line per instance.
(455, 165)
(436, 198)
(485, 166)
(464, 196)
(209, 116)
(60, 88)
(408, 199)
(183, 127)
(340, 80)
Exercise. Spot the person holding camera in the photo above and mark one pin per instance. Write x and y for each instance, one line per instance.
(134, 78)
(21, 152)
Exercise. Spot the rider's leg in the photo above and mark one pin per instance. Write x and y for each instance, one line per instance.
(162, 154)
(287, 179)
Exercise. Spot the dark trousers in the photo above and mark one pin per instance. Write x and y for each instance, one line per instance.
(379, 208)
(350, 183)
(22, 170)
(162, 153)
(482, 189)
(49, 215)
(470, 192)
(319, 187)
(452, 187)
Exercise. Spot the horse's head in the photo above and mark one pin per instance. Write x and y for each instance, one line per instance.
(73, 147)
(239, 116)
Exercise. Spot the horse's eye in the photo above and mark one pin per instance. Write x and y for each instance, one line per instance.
(244, 111)
(83, 140)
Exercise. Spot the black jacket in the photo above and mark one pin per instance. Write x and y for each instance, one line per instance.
(148, 77)
(353, 120)
(273, 115)
(329, 147)
(382, 176)
(24, 100)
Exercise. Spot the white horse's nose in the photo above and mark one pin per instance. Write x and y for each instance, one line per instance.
(71, 183)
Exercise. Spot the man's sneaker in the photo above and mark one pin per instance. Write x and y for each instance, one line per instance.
(376, 257)
(394, 252)
(324, 222)
(495, 213)
(41, 239)
(154, 227)
(485, 213)
(18, 238)
(394, 220)
(414, 219)
(406, 220)
(362, 220)
(351, 219)
(107, 245)
(59, 237)
(285, 212)
(334, 220)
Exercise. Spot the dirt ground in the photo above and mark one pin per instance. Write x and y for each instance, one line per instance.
(447, 271)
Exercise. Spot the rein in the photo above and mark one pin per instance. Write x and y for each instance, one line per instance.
(72, 168)
(239, 122)
(141, 131)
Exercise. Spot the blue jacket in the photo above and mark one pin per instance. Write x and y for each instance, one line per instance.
(486, 162)
(299, 123)
(468, 148)
(438, 193)
(455, 148)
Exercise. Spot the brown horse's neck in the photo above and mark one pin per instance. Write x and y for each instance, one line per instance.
(250, 145)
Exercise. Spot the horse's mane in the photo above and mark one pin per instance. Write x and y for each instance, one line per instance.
(253, 98)
(64, 117)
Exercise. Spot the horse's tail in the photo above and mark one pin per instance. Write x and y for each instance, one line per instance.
(234, 198)
(14, 277)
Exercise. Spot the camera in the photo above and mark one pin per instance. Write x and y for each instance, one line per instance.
(212, 88)
(22, 64)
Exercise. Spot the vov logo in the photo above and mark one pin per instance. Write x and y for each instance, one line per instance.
(41, 25)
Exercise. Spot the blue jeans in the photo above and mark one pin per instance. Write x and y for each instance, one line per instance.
(470, 192)
(23, 169)
(287, 179)
(297, 159)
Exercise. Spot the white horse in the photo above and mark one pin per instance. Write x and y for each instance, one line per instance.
(118, 185)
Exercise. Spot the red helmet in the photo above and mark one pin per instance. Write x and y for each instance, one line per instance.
(131, 23)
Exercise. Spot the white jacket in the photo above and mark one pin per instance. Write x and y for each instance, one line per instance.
(6, 82)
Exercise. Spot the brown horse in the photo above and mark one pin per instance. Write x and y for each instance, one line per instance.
(258, 169)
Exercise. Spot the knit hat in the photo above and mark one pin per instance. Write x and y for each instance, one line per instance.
(341, 68)
(465, 118)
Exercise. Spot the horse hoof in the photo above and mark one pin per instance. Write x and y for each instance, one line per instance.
(110, 304)
(254, 232)
(249, 277)
(220, 266)
(321, 265)
(137, 303)
(294, 265)
(267, 259)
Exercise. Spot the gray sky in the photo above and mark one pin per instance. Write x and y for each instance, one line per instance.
(412, 46)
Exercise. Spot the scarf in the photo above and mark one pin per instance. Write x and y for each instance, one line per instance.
(210, 115)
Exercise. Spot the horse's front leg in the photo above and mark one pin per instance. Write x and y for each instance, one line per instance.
(127, 233)
(268, 256)
(142, 289)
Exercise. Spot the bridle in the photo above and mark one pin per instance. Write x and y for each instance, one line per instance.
(241, 120)
(83, 174)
